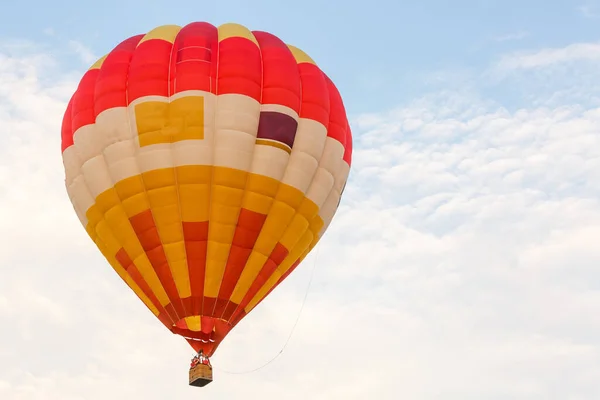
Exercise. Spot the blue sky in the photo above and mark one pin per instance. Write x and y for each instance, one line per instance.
(380, 53)
(464, 252)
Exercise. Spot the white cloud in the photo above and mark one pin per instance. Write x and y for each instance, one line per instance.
(545, 57)
(588, 10)
(462, 265)
(518, 35)
(86, 55)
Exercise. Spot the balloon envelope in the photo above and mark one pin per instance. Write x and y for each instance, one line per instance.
(205, 163)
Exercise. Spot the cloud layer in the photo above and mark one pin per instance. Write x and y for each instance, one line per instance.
(462, 264)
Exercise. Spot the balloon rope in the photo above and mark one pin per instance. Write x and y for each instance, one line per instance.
(293, 327)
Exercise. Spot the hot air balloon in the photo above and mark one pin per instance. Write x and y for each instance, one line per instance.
(205, 163)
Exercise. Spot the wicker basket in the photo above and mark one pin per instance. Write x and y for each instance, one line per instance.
(201, 375)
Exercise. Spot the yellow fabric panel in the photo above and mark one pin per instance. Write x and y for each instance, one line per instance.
(290, 195)
(235, 30)
(178, 265)
(169, 122)
(308, 211)
(267, 239)
(288, 200)
(93, 216)
(194, 323)
(98, 64)
(316, 224)
(260, 192)
(139, 293)
(194, 192)
(164, 32)
(274, 143)
(251, 269)
(297, 227)
(227, 193)
(147, 271)
(279, 216)
(107, 199)
(161, 187)
(110, 223)
(126, 277)
(300, 248)
(301, 56)
(216, 259)
(133, 194)
(123, 232)
(105, 234)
